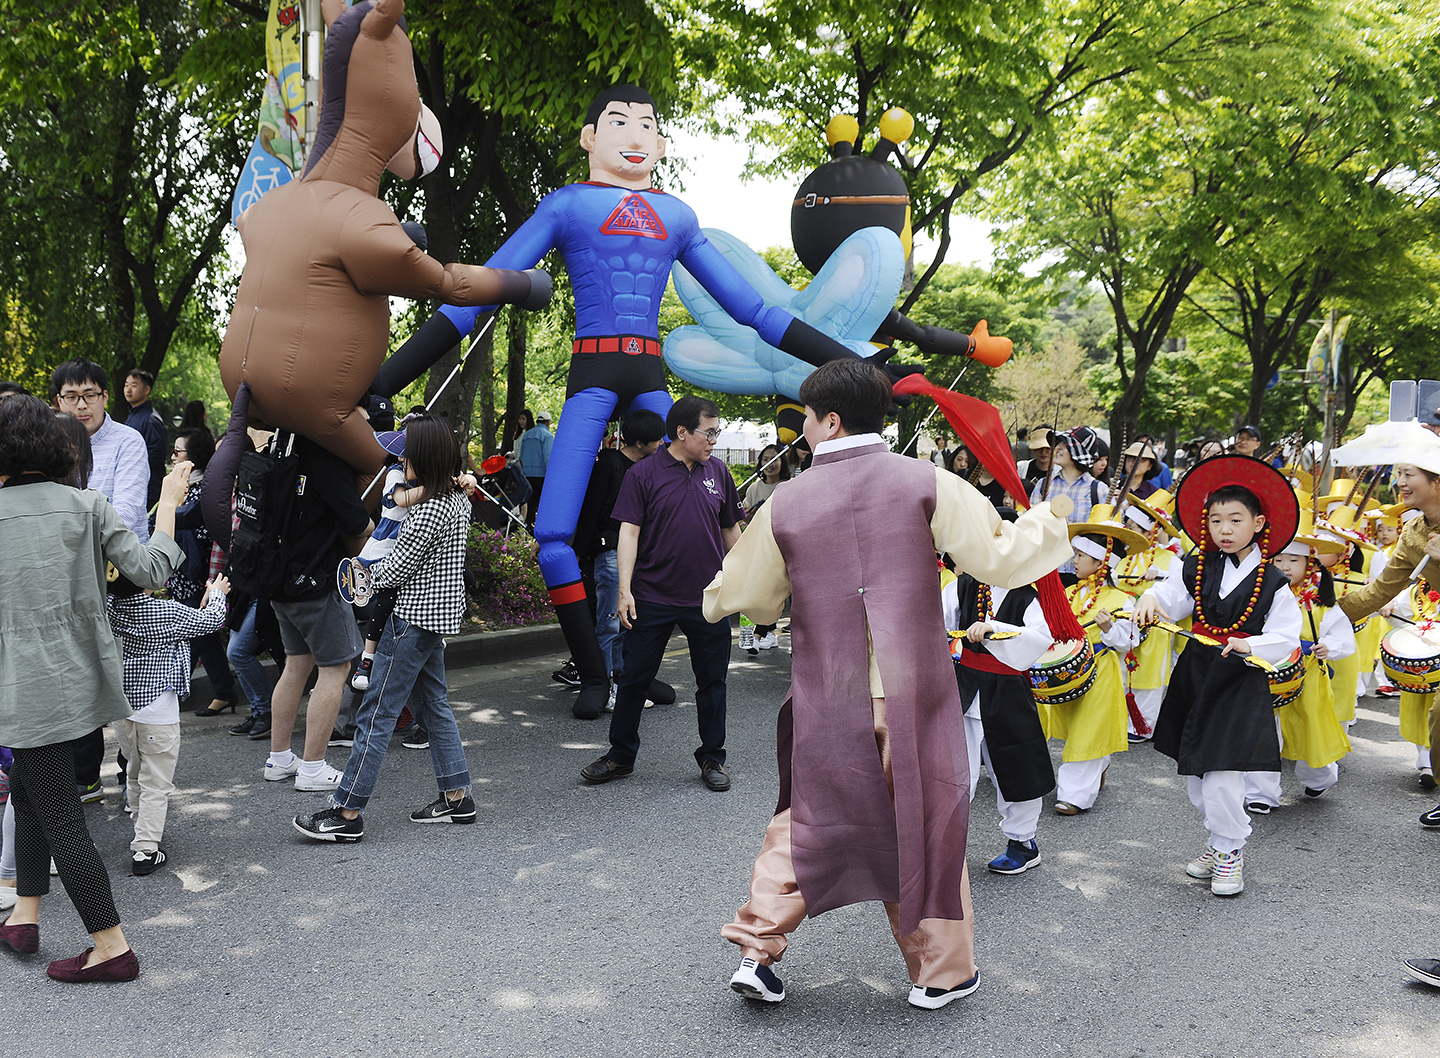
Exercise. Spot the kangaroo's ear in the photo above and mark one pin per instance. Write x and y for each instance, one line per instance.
(383, 17)
(330, 10)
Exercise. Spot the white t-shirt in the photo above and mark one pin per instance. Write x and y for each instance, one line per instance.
(163, 710)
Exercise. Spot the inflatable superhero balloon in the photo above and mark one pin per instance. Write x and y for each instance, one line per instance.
(620, 237)
(323, 254)
(850, 226)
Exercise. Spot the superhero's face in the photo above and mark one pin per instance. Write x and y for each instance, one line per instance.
(625, 141)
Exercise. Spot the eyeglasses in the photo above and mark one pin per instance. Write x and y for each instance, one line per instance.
(178, 451)
(72, 399)
(712, 435)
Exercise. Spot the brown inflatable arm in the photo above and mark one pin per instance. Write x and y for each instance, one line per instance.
(381, 258)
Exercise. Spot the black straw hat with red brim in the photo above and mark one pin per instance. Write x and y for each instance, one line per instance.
(1277, 499)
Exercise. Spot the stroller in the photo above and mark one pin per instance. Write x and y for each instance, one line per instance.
(503, 491)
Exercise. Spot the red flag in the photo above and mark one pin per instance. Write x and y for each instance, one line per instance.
(978, 424)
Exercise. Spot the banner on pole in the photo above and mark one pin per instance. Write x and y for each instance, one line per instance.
(278, 152)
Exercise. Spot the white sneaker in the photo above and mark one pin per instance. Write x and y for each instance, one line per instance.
(324, 781)
(275, 772)
(7, 897)
(935, 998)
(747, 638)
(1203, 865)
(767, 642)
(1227, 877)
(754, 981)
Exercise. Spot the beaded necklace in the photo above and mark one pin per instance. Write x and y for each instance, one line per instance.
(982, 602)
(1254, 595)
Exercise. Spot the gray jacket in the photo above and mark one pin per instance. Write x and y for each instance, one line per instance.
(60, 665)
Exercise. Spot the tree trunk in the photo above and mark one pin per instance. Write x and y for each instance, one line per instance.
(515, 373)
(486, 353)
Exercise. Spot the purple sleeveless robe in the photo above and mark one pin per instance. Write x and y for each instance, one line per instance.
(855, 534)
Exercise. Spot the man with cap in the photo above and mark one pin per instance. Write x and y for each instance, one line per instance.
(535, 446)
(1037, 464)
(1247, 441)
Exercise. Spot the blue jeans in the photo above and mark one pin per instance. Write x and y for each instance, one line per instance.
(645, 642)
(409, 666)
(607, 603)
(244, 654)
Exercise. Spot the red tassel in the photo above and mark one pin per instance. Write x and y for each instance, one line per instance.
(1058, 615)
(1136, 717)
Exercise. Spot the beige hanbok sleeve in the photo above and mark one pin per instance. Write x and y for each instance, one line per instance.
(752, 580)
(991, 550)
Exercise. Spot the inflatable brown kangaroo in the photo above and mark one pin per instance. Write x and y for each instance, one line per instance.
(323, 254)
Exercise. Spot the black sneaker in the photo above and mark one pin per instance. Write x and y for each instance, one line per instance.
(343, 736)
(444, 810)
(1018, 857)
(261, 730)
(143, 863)
(244, 727)
(1310, 791)
(1257, 808)
(1431, 818)
(330, 825)
(568, 674)
(1135, 739)
(416, 738)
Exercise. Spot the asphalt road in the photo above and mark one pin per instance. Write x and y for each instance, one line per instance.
(576, 920)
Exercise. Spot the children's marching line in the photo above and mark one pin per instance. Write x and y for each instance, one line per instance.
(1227, 657)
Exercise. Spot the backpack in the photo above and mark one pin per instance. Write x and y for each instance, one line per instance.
(266, 486)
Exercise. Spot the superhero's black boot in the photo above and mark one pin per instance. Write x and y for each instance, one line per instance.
(579, 629)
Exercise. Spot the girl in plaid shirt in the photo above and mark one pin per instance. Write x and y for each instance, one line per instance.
(426, 566)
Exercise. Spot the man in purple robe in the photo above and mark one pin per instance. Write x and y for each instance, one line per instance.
(874, 779)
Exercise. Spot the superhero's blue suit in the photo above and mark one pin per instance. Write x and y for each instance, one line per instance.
(618, 246)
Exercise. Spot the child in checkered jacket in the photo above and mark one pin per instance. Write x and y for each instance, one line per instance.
(426, 567)
(154, 637)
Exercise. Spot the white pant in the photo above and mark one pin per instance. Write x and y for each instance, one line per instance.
(1265, 785)
(1018, 819)
(1148, 701)
(1078, 781)
(1422, 757)
(1317, 778)
(1220, 796)
(151, 751)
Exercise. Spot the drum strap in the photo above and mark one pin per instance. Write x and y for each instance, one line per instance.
(974, 659)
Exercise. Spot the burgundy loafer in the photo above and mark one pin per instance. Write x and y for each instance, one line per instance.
(23, 937)
(124, 967)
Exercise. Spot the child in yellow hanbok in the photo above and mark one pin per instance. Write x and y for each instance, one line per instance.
(1310, 733)
(1414, 604)
(1093, 725)
(1149, 664)
(1384, 530)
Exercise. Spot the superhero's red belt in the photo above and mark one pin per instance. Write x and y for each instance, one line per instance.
(630, 344)
(974, 659)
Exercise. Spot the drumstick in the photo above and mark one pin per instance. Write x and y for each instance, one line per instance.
(1259, 663)
(1419, 568)
(1002, 635)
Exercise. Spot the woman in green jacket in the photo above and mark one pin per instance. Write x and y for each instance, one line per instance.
(60, 669)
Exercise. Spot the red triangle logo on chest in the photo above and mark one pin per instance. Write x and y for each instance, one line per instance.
(633, 216)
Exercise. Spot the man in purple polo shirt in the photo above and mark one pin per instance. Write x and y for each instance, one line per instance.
(679, 512)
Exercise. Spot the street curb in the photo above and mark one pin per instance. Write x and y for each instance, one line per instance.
(461, 651)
